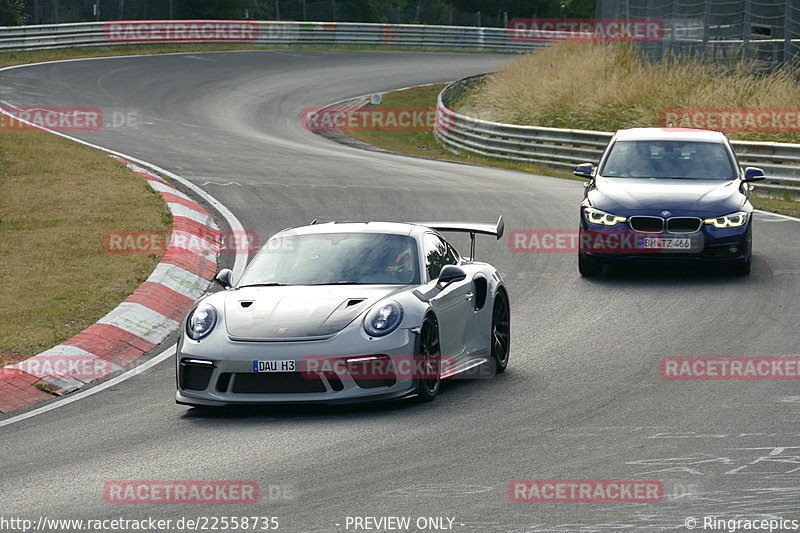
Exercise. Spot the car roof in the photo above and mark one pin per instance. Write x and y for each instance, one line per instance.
(390, 228)
(670, 134)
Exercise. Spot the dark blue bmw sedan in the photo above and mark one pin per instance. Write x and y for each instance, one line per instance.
(666, 194)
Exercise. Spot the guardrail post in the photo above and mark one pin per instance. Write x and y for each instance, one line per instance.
(746, 29)
(787, 31)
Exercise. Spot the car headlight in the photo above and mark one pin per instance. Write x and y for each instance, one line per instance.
(595, 216)
(733, 220)
(201, 322)
(383, 319)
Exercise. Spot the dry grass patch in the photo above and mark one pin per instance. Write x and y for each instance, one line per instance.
(58, 200)
(606, 87)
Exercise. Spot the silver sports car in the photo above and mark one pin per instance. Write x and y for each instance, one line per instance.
(336, 313)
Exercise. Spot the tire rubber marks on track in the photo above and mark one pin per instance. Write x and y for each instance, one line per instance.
(768, 461)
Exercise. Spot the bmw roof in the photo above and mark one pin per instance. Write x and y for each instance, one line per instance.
(670, 134)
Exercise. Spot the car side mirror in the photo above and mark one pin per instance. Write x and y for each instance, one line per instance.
(753, 174)
(224, 278)
(451, 273)
(584, 170)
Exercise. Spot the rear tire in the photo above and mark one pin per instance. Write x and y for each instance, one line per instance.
(501, 332)
(588, 267)
(430, 352)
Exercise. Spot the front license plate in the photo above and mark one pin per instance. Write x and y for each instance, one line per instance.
(287, 365)
(665, 243)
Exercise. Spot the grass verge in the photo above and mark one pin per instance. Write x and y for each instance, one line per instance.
(58, 200)
(424, 144)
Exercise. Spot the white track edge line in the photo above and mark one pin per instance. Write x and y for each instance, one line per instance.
(779, 215)
(74, 397)
(238, 266)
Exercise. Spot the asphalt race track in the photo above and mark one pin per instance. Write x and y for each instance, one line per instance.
(582, 398)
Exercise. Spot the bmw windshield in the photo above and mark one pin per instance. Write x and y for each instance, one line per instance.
(335, 258)
(669, 160)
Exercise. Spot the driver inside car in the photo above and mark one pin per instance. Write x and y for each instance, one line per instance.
(401, 266)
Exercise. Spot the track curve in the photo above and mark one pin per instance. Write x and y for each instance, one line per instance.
(582, 397)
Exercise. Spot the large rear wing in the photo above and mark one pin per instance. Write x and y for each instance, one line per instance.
(472, 228)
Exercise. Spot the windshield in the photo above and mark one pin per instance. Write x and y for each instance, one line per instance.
(668, 159)
(335, 258)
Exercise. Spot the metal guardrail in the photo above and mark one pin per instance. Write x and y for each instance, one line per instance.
(565, 148)
(551, 146)
(468, 38)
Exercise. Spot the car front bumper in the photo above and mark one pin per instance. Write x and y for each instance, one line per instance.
(222, 373)
(708, 245)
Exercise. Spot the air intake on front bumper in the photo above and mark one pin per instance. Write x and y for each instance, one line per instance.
(194, 374)
(279, 383)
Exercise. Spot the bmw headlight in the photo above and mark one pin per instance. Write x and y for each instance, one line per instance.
(201, 322)
(596, 216)
(733, 220)
(383, 319)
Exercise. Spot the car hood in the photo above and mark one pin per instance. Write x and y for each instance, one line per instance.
(298, 312)
(682, 197)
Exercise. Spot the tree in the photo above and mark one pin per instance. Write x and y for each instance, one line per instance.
(223, 9)
(369, 10)
(11, 13)
(530, 8)
(435, 12)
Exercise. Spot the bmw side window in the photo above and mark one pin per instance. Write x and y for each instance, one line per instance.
(437, 255)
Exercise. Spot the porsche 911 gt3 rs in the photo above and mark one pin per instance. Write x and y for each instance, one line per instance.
(335, 313)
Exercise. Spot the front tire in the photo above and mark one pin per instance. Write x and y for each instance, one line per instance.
(742, 268)
(588, 267)
(501, 332)
(430, 352)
